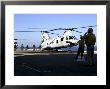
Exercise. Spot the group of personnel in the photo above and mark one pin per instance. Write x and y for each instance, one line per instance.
(26, 48)
(88, 39)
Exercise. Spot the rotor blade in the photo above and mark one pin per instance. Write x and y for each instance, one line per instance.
(92, 26)
(27, 31)
(54, 33)
(89, 26)
(51, 30)
(20, 39)
(45, 31)
(33, 31)
(60, 28)
(15, 39)
(36, 28)
(83, 27)
(74, 28)
(78, 32)
(56, 29)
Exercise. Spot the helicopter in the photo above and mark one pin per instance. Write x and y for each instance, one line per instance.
(64, 41)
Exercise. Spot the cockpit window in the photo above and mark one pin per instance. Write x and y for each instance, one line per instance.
(71, 37)
(66, 38)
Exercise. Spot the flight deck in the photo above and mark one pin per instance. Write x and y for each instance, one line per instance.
(61, 63)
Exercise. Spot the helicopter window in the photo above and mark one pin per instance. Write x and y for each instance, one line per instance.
(61, 39)
(71, 37)
(57, 41)
(66, 38)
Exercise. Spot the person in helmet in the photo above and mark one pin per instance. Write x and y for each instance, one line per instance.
(81, 47)
(90, 40)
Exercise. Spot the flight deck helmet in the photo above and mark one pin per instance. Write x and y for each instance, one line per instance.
(90, 30)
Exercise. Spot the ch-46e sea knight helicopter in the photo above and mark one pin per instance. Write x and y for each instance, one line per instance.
(64, 41)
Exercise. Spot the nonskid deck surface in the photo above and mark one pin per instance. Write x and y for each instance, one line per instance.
(52, 64)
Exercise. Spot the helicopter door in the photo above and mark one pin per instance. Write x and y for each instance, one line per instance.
(62, 39)
(56, 41)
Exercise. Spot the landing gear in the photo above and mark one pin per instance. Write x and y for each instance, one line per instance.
(56, 50)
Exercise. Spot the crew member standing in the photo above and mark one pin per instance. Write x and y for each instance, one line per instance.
(34, 47)
(81, 47)
(90, 40)
(27, 47)
(22, 47)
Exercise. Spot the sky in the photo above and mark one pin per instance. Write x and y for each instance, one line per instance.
(22, 22)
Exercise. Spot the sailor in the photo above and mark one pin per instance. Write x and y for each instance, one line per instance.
(15, 46)
(22, 47)
(90, 40)
(27, 47)
(34, 47)
(81, 47)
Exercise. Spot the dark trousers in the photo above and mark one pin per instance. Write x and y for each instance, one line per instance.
(80, 51)
(90, 53)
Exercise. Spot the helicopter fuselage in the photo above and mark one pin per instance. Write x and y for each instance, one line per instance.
(60, 42)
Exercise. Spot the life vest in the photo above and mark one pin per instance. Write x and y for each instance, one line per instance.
(90, 39)
(81, 43)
